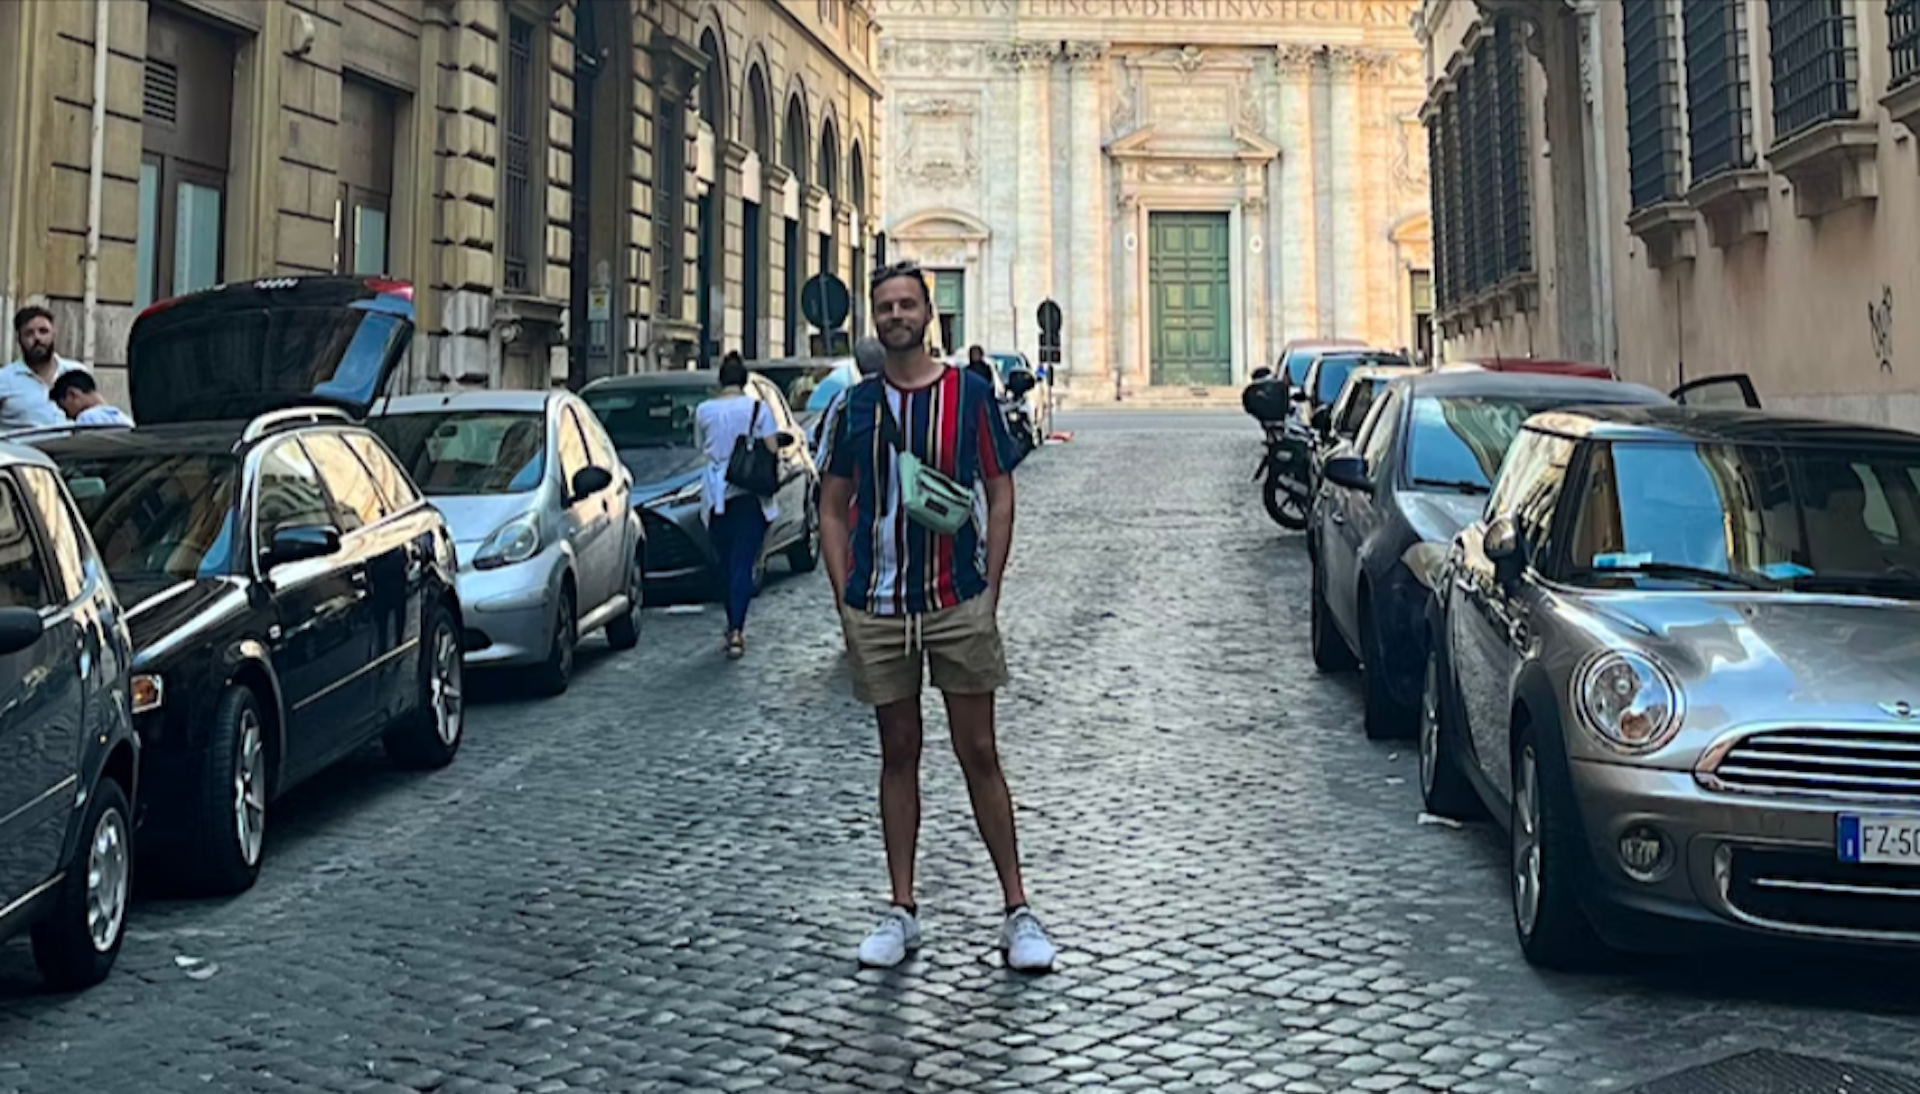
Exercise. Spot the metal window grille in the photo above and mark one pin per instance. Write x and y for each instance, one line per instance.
(517, 155)
(1437, 168)
(1515, 157)
(1459, 229)
(1719, 87)
(1653, 115)
(1903, 40)
(1816, 62)
(1480, 142)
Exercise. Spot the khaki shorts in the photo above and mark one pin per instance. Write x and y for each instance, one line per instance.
(960, 647)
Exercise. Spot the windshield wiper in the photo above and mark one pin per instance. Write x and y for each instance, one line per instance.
(1680, 570)
(1843, 583)
(1458, 486)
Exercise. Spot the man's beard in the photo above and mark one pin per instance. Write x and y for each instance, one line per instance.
(900, 337)
(37, 354)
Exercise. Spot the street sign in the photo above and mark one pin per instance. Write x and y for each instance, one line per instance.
(1050, 319)
(825, 302)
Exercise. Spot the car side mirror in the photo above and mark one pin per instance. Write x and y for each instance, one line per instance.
(786, 438)
(1299, 396)
(590, 480)
(19, 628)
(1503, 547)
(1350, 472)
(298, 542)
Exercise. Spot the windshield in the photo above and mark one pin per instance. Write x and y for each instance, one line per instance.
(157, 514)
(1822, 519)
(1457, 441)
(471, 451)
(1298, 362)
(648, 417)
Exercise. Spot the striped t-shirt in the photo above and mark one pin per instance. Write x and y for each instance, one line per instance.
(955, 426)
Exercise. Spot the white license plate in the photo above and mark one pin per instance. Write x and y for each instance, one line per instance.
(1880, 840)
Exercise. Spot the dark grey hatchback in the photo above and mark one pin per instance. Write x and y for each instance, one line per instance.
(69, 758)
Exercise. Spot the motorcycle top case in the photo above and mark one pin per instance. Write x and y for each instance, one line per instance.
(1266, 401)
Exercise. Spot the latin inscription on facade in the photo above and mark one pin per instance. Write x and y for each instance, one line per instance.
(1392, 13)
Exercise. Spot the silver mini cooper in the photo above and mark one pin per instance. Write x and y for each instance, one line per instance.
(1679, 660)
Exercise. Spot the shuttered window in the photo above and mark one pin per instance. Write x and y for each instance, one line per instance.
(1654, 167)
(1480, 164)
(1816, 63)
(186, 141)
(1903, 40)
(1719, 87)
(517, 209)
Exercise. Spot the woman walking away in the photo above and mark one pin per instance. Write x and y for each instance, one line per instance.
(736, 519)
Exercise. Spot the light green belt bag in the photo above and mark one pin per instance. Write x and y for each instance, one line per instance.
(931, 499)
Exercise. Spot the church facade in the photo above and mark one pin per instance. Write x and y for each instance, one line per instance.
(1192, 182)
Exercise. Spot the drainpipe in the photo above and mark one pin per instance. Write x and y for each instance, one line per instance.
(96, 181)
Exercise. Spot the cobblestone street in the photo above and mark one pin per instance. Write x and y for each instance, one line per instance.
(658, 881)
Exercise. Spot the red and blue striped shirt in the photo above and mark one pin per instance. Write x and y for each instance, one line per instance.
(955, 426)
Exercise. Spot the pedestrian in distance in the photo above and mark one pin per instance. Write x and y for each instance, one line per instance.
(736, 518)
(79, 398)
(26, 384)
(916, 525)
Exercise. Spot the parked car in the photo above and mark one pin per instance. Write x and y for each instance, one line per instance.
(797, 377)
(1363, 385)
(1532, 365)
(549, 548)
(650, 420)
(1327, 378)
(69, 758)
(1298, 355)
(1035, 399)
(291, 594)
(1421, 468)
(1678, 659)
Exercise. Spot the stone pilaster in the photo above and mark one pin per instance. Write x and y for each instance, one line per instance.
(1299, 213)
(1086, 352)
(1347, 68)
(1033, 270)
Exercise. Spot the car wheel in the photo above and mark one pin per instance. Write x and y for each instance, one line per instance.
(804, 556)
(1552, 928)
(76, 945)
(556, 672)
(431, 735)
(623, 632)
(1386, 718)
(1444, 788)
(1330, 652)
(231, 832)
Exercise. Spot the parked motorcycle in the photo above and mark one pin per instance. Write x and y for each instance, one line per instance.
(1287, 462)
(1019, 414)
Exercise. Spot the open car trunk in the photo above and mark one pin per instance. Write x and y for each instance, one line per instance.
(237, 351)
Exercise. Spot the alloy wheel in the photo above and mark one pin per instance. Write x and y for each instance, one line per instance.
(1526, 841)
(448, 669)
(109, 870)
(250, 789)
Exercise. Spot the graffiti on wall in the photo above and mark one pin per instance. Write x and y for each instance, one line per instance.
(1880, 328)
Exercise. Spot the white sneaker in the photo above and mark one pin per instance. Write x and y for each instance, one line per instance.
(896, 936)
(1024, 942)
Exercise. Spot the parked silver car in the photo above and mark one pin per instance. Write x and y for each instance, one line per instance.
(1679, 659)
(536, 496)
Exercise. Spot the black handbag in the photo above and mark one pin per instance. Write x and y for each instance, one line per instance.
(753, 467)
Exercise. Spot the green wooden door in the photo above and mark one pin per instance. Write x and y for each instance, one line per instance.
(1187, 280)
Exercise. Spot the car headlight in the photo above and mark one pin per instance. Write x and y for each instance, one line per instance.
(148, 692)
(1628, 700)
(515, 541)
(687, 493)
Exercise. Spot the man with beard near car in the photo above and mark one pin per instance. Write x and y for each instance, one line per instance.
(912, 595)
(26, 385)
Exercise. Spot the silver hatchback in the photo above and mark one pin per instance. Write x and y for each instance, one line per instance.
(549, 549)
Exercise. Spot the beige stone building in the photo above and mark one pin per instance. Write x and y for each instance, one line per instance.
(1684, 188)
(575, 187)
(1192, 182)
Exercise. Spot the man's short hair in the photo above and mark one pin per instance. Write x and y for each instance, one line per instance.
(907, 268)
(73, 381)
(27, 315)
(733, 371)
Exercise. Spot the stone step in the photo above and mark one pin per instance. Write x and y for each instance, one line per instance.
(1159, 397)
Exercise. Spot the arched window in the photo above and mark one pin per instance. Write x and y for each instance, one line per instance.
(756, 123)
(793, 144)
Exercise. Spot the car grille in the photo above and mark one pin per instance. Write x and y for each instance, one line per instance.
(1846, 763)
(669, 548)
(1816, 890)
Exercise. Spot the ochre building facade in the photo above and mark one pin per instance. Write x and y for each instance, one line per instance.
(1192, 182)
(576, 188)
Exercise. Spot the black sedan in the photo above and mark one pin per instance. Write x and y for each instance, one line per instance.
(1389, 503)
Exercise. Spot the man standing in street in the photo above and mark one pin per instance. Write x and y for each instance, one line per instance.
(911, 595)
(26, 385)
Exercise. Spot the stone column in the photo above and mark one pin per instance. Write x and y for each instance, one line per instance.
(1033, 259)
(1086, 352)
(1298, 214)
(1346, 68)
(1252, 241)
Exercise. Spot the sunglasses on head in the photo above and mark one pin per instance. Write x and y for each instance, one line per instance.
(904, 268)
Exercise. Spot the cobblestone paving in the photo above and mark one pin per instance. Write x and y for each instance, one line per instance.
(657, 882)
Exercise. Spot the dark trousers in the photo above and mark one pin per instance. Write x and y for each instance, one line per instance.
(737, 536)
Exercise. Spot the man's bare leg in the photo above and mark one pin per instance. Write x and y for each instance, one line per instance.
(971, 720)
(900, 736)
